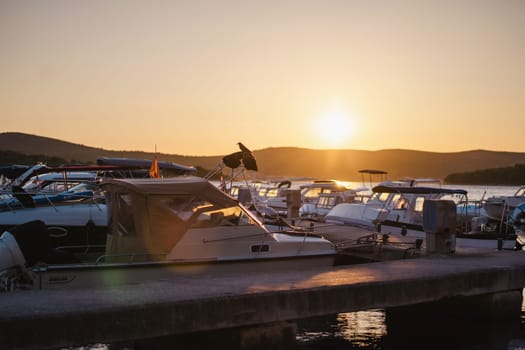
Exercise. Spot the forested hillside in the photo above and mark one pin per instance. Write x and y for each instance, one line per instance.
(288, 162)
(514, 175)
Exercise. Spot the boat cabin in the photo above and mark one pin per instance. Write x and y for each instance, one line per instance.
(150, 217)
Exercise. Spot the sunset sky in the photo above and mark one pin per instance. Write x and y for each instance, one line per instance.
(196, 77)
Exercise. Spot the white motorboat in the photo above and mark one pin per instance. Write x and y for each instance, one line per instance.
(310, 192)
(20, 198)
(73, 217)
(387, 197)
(269, 199)
(67, 199)
(499, 207)
(272, 195)
(326, 201)
(397, 209)
(157, 228)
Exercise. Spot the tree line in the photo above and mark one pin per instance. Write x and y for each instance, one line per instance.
(15, 158)
(511, 176)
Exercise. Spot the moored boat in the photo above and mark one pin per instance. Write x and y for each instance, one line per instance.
(157, 228)
(397, 209)
(499, 207)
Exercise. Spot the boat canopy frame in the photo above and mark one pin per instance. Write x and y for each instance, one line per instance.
(417, 190)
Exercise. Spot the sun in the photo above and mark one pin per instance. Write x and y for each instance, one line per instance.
(334, 128)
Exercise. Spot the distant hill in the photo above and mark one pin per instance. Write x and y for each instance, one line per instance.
(287, 162)
(76, 153)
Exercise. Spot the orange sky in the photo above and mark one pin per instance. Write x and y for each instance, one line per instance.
(195, 77)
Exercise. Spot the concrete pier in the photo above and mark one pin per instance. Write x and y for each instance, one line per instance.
(186, 304)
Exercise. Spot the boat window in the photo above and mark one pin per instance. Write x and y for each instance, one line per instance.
(232, 216)
(394, 199)
(380, 196)
(51, 187)
(418, 206)
(262, 192)
(125, 224)
(260, 248)
(329, 201)
(184, 206)
(401, 203)
(272, 193)
(312, 192)
(324, 202)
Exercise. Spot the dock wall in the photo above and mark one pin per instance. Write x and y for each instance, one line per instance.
(185, 304)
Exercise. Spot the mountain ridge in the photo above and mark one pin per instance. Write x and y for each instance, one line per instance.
(285, 162)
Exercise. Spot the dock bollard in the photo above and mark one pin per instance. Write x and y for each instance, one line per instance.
(244, 195)
(293, 203)
(439, 223)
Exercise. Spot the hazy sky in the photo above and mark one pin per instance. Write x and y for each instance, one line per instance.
(195, 77)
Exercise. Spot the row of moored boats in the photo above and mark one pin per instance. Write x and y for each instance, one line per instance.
(111, 224)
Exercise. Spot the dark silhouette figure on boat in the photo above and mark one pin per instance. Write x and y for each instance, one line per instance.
(248, 158)
(244, 157)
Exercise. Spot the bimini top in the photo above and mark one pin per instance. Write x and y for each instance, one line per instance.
(417, 190)
(183, 185)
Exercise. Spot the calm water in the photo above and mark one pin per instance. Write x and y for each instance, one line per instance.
(374, 330)
(379, 330)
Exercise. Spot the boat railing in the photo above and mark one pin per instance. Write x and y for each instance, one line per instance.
(469, 207)
(370, 239)
(96, 253)
(504, 225)
(83, 253)
(83, 249)
(26, 200)
(376, 240)
(70, 199)
(131, 257)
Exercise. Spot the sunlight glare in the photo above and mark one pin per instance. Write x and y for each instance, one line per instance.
(334, 128)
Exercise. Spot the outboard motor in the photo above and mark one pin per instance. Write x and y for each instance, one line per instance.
(10, 253)
(12, 265)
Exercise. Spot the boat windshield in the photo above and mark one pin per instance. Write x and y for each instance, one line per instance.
(253, 218)
(380, 196)
(273, 193)
(313, 192)
(520, 192)
(202, 213)
(231, 216)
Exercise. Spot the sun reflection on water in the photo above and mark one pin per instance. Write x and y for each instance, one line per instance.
(361, 327)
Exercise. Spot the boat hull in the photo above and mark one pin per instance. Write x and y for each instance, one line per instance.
(107, 275)
(75, 224)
